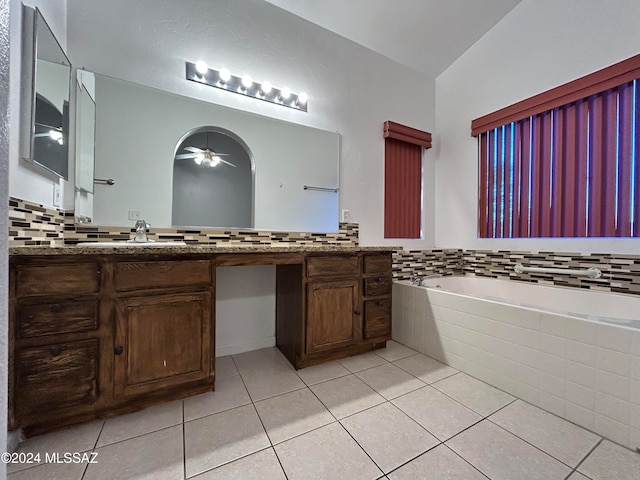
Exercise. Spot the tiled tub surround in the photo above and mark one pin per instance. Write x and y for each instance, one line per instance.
(581, 370)
(32, 224)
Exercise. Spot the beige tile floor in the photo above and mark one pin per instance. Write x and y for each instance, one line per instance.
(393, 414)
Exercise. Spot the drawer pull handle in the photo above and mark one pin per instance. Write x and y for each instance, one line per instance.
(380, 304)
(55, 351)
(118, 350)
(56, 308)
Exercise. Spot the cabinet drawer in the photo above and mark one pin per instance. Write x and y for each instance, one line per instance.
(377, 264)
(55, 318)
(377, 318)
(377, 286)
(336, 265)
(140, 275)
(62, 375)
(42, 280)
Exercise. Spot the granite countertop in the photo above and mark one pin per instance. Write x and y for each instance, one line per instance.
(87, 249)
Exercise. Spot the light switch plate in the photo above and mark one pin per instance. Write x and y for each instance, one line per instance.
(57, 195)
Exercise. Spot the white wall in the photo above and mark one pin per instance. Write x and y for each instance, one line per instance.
(351, 89)
(539, 45)
(25, 180)
(245, 309)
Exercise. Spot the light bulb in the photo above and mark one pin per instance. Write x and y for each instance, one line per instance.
(285, 93)
(247, 81)
(55, 135)
(202, 67)
(302, 98)
(199, 158)
(225, 75)
(266, 87)
(215, 160)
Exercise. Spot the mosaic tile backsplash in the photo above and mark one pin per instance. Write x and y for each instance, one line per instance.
(407, 263)
(33, 224)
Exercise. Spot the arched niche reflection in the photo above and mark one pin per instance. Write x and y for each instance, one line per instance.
(213, 183)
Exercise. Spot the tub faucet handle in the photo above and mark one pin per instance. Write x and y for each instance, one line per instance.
(416, 280)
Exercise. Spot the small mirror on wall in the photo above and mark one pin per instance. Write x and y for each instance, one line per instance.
(47, 70)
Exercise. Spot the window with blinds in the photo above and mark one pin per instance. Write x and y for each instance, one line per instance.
(403, 180)
(572, 170)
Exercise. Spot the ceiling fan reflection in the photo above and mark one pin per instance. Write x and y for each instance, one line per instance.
(206, 157)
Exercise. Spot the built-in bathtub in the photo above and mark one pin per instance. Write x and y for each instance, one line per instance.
(573, 352)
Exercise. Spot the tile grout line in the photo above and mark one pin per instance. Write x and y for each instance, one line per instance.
(534, 446)
(84, 473)
(585, 458)
(260, 418)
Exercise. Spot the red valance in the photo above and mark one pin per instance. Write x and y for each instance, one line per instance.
(406, 134)
(597, 82)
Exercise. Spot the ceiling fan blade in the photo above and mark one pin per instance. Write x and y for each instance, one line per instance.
(194, 149)
(220, 154)
(183, 156)
(228, 163)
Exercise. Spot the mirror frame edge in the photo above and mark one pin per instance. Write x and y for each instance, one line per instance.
(29, 57)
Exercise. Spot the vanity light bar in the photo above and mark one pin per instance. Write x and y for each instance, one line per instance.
(224, 80)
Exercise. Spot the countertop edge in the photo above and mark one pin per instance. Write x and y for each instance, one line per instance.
(190, 249)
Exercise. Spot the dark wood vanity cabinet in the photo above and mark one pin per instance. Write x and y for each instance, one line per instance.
(332, 315)
(161, 341)
(377, 282)
(346, 308)
(55, 340)
(93, 336)
(163, 324)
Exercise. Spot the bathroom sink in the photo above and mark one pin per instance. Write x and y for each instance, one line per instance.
(131, 244)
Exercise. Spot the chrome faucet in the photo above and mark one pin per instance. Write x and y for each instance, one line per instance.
(141, 231)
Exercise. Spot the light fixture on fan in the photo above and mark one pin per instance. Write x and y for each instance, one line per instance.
(206, 157)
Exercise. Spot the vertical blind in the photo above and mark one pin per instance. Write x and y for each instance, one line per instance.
(403, 189)
(403, 179)
(571, 171)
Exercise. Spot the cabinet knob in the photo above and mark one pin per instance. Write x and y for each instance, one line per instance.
(56, 308)
(118, 350)
(357, 312)
(55, 351)
(380, 304)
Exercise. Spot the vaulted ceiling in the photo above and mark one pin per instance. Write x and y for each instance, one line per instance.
(425, 35)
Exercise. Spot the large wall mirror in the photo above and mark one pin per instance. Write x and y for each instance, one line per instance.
(46, 143)
(141, 145)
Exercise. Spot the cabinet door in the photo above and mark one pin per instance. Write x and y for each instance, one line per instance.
(161, 341)
(57, 376)
(331, 317)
